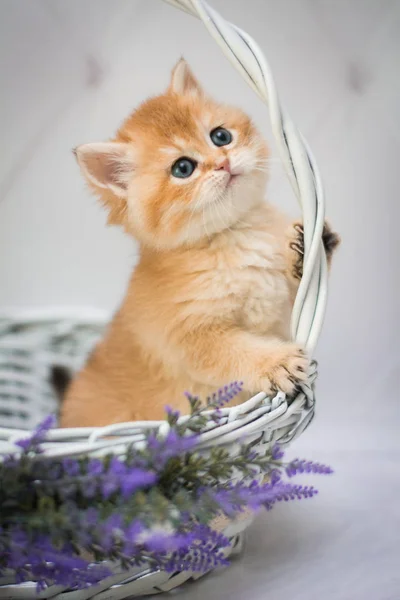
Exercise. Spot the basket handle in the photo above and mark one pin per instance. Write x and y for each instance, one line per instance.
(298, 161)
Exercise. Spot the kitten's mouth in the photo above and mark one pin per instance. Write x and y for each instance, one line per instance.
(232, 178)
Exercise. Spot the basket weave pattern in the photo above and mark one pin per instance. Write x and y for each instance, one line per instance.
(30, 344)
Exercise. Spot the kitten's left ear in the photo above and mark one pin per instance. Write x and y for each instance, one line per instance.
(183, 82)
(106, 165)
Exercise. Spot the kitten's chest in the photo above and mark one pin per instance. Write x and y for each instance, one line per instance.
(249, 278)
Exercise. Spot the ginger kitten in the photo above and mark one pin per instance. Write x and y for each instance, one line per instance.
(210, 299)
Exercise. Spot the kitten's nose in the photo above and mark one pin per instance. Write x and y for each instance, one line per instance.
(225, 166)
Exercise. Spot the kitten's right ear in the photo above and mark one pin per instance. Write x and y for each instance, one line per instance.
(107, 165)
(183, 82)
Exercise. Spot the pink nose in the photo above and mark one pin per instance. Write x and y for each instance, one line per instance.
(225, 166)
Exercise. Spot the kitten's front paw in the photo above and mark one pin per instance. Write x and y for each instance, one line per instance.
(297, 247)
(330, 239)
(285, 369)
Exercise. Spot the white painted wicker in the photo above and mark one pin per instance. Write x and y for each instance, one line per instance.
(31, 343)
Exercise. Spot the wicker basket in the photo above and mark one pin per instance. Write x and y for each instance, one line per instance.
(31, 344)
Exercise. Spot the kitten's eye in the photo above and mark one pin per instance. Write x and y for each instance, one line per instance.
(221, 136)
(183, 167)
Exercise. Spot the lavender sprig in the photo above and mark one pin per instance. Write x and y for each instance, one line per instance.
(224, 395)
(150, 507)
(297, 466)
(32, 443)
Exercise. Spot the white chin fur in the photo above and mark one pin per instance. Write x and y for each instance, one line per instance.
(225, 207)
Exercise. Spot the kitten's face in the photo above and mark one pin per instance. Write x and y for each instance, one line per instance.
(183, 167)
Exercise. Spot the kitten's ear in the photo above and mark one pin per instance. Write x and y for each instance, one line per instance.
(183, 81)
(107, 165)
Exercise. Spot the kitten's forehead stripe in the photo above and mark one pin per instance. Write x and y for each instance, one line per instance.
(168, 150)
(179, 142)
(163, 118)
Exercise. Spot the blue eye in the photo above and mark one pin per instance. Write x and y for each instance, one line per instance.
(183, 167)
(220, 136)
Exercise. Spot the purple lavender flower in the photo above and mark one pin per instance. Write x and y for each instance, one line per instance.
(133, 531)
(32, 442)
(163, 449)
(200, 551)
(234, 498)
(274, 476)
(95, 467)
(297, 466)
(172, 415)
(37, 559)
(71, 467)
(136, 479)
(225, 394)
(277, 453)
(117, 467)
(125, 479)
(108, 487)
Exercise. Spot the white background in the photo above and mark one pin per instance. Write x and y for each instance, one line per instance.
(70, 70)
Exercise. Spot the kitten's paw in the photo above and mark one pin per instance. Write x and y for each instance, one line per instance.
(297, 247)
(288, 367)
(330, 239)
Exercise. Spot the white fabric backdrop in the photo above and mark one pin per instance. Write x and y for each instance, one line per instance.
(70, 70)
